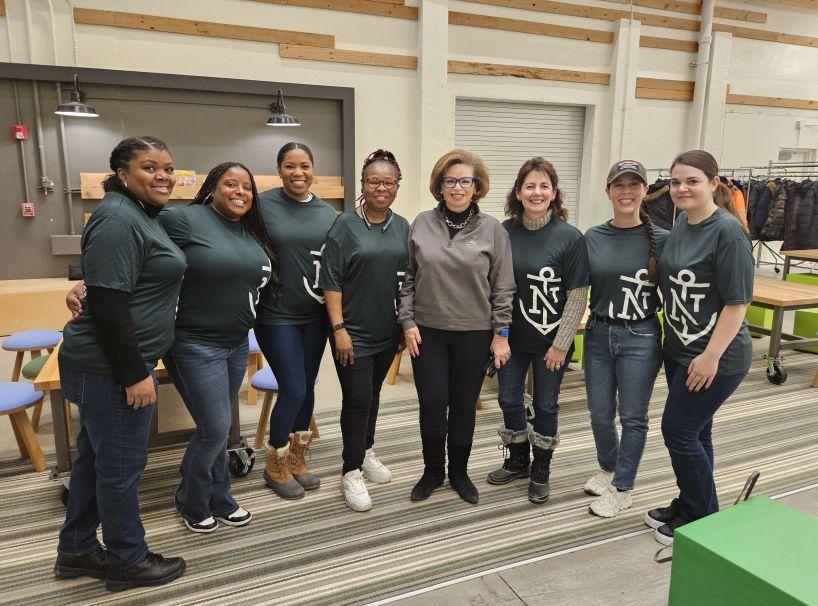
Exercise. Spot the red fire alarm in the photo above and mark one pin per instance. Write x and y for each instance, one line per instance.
(19, 132)
(28, 209)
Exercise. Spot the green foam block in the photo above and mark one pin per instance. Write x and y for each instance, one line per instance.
(757, 553)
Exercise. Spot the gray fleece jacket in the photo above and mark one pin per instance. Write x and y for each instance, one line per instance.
(460, 283)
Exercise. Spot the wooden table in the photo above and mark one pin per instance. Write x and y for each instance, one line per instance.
(780, 297)
(33, 304)
(49, 380)
(797, 255)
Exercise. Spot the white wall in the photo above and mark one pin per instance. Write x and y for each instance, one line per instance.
(390, 110)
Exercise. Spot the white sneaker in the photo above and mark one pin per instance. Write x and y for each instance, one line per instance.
(355, 493)
(374, 470)
(611, 503)
(599, 482)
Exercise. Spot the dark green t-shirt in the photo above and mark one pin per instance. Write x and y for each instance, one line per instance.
(618, 260)
(367, 264)
(226, 269)
(298, 230)
(548, 262)
(703, 268)
(125, 249)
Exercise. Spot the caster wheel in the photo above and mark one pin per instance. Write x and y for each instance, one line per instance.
(241, 461)
(777, 270)
(778, 374)
(64, 496)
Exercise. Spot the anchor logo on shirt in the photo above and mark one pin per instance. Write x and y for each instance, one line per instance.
(268, 269)
(633, 296)
(400, 275)
(312, 290)
(543, 296)
(679, 318)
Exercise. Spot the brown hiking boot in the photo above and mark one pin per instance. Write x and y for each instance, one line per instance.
(299, 445)
(277, 473)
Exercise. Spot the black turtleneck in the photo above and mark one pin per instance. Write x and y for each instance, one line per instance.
(456, 218)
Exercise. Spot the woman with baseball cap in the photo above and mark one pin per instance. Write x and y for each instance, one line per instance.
(622, 344)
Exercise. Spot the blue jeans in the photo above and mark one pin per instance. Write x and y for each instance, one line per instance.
(621, 361)
(112, 445)
(511, 380)
(294, 355)
(687, 425)
(208, 378)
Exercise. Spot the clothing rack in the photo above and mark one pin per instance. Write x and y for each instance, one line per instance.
(776, 170)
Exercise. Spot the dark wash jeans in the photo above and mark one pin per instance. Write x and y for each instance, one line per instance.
(208, 378)
(112, 445)
(361, 389)
(449, 375)
(294, 355)
(687, 425)
(511, 383)
(621, 364)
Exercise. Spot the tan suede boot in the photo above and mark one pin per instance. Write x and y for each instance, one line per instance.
(277, 473)
(299, 445)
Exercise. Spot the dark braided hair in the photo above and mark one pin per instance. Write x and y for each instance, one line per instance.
(125, 151)
(251, 220)
(379, 155)
(514, 208)
(653, 263)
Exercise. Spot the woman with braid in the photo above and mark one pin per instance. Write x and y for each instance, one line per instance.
(363, 264)
(551, 271)
(622, 344)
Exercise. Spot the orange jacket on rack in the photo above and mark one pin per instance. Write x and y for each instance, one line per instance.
(741, 207)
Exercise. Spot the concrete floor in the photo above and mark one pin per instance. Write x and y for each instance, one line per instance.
(620, 572)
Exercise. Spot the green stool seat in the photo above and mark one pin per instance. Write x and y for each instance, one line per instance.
(803, 278)
(757, 553)
(806, 325)
(759, 316)
(577, 355)
(33, 368)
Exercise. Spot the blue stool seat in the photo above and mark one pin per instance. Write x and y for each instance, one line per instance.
(16, 395)
(32, 339)
(265, 380)
(251, 337)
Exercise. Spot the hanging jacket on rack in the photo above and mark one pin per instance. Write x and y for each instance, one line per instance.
(773, 228)
(762, 208)
(807, 228)
(659, 205)
(740, 206)
(754, 189)
(794, 198)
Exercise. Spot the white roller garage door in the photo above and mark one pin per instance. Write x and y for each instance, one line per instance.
(507, 134)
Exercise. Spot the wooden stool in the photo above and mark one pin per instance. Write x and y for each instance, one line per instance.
(265, 381)
(33, 341)
(255, 362)
(15, 397)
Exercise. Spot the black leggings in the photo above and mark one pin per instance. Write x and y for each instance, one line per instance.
(361, 388)
(449, 375)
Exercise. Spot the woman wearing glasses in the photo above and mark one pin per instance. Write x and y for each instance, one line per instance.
(455, 309)
(363, 264)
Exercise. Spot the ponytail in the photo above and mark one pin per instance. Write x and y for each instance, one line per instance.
(723, 198)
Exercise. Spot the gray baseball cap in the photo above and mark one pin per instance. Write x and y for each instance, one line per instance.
(627, 166)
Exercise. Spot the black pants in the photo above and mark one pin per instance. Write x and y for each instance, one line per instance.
(449, 375)
(361, 390)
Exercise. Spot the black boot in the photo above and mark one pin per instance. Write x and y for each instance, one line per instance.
(458, 477)
(543, 448)
(150, 571)
(434, 461)
(517, 464)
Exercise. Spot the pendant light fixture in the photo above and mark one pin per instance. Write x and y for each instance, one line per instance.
(280, 116)
(76, 107)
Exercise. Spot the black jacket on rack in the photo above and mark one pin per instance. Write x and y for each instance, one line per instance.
(659, 205)
(807, 216)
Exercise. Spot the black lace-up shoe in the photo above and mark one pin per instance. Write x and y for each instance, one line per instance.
(93, 565)
(150, 571)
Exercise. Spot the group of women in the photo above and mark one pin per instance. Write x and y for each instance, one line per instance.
(461, 291)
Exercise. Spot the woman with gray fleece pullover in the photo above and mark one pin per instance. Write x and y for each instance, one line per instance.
(455, 309)
(551, 270)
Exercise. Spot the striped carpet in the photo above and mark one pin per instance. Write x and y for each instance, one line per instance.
(315, 551)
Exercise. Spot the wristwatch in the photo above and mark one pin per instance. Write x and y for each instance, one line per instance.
(502, 332)
(337, 327)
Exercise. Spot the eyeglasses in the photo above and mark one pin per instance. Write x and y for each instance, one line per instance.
(375, 183)
(465, 182)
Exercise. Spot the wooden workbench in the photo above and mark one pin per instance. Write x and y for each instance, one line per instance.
(797, 255)
(33, 304)
(780, 297)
